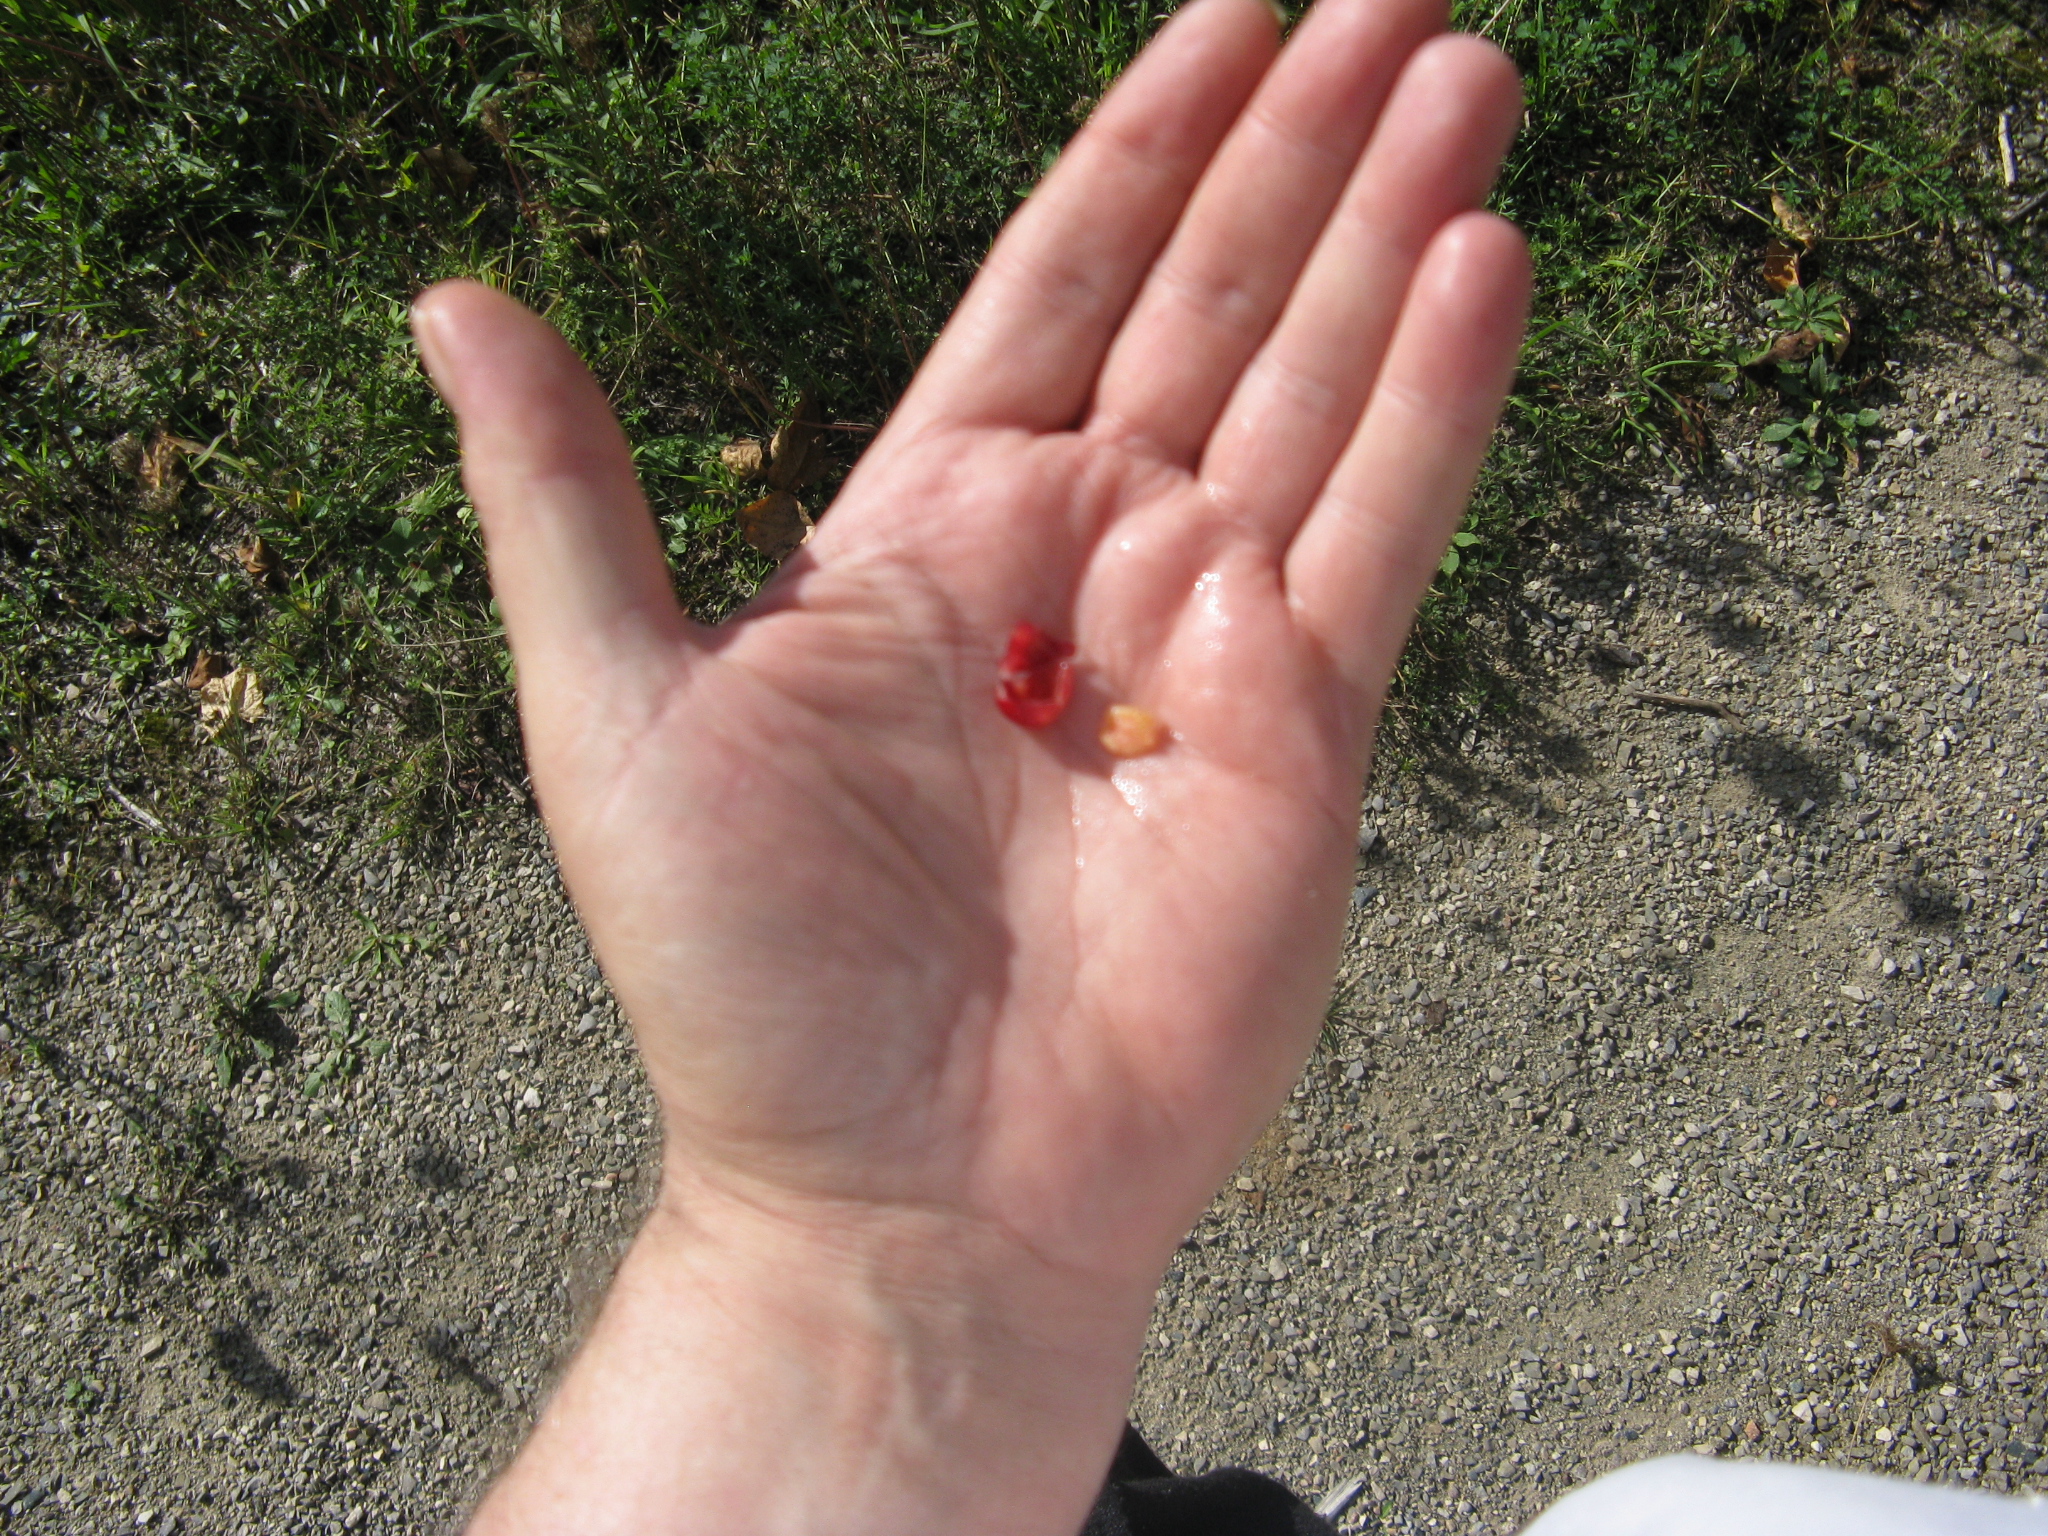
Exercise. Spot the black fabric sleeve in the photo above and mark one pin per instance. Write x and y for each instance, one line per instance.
(1142, 1497)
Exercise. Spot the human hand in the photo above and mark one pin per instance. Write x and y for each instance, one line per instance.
(936, 1006)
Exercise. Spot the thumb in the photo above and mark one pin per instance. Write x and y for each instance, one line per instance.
(574, 558)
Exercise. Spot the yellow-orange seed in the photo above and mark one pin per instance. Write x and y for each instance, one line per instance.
(1128, 731)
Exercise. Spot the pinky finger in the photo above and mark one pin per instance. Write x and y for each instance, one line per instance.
(1359, 563)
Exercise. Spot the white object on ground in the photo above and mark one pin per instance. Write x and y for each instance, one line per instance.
(1694, 1496)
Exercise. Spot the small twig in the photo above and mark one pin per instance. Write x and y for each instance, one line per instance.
(1686, 701)
(2028, 208)
(2006, 160)
(1890, 234)
(135, 810)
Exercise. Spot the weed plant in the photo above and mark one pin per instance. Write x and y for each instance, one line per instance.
(245, 1020)
(213, 214)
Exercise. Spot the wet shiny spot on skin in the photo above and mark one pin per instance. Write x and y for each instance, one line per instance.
(1135, 792)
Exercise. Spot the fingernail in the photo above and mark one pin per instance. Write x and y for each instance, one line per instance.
(426, 324)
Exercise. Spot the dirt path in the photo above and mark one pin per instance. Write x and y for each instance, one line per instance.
(1679, 1094)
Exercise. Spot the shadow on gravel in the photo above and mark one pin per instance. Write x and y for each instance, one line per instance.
(292, 1172)
(160, 1122)
(1784, 772)
(443, 1346)
(434, 1166)
(273, 1029)
(315, 1343)
(243, 1194)
(1925, 904)
(235, 1351)
(1503, 678)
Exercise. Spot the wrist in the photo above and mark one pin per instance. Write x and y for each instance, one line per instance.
(765, 1364)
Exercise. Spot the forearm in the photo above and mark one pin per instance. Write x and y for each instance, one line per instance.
(888, 1373)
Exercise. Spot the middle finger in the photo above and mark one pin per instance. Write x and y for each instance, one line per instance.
(1216, 290)
(1433, 157)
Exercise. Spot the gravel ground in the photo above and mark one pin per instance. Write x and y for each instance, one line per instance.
(1679, 1090)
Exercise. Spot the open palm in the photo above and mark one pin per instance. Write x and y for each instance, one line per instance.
(1210, 411)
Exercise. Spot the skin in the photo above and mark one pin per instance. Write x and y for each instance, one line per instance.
(955, 1026)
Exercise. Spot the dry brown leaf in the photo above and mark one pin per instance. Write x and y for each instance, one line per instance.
(1781, 265)
(225, 700)
(810, 469)
(745, 457)
(491, 115)
(449, 168)
(260, 561)
(1864, 70)
(161, 472)
(205, 668)
(1128, 731)
(801, 427)
(790, 452)
(580, 33)
(1793, 221)
(775, 525)
(1793, 347)
(1691, 424)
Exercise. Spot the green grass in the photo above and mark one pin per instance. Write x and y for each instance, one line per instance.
(1656, 136)
(212, 216)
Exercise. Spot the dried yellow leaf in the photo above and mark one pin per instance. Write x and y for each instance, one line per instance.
(161, 472)
(491, 116)
(1793, 221)
(259, 560)
(794, 448)
(205, 668)
(225, 700)
(1781, 265)
(775, 525)
(1793, 347)
(745, 457)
